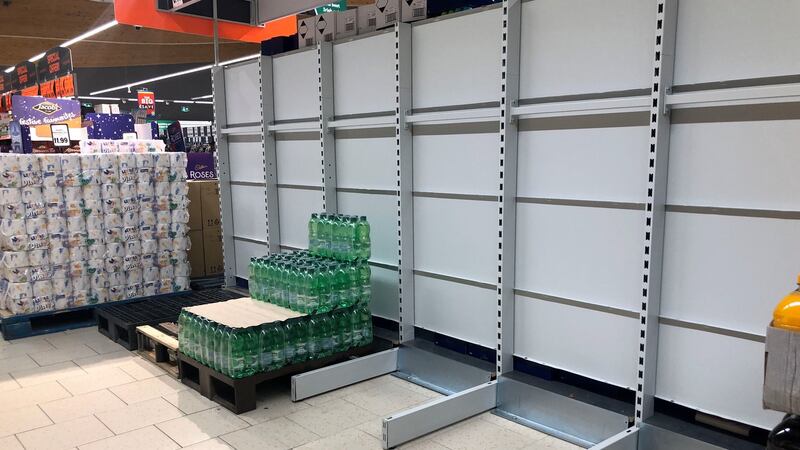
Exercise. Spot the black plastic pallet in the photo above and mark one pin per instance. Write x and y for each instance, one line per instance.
(34, 324)
(210, 282)
(239, 394)
(119, 322)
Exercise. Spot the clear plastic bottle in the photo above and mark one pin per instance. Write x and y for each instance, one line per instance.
(278, 339)
(326, 335)
(362, 234)
(266, 345)
(252, 346)
(325, 235)
(352, 246)
(357, 327)
(365, 282)
(224, 350)
(314, 341)
(313, 233)
(300, 340)
(237, 353)
(289, 344)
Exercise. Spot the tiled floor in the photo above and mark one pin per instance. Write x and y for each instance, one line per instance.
(79, 390)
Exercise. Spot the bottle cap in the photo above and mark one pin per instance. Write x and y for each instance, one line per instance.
(364, 218)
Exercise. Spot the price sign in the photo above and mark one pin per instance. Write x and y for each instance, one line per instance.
(130, 136)
(60, 134)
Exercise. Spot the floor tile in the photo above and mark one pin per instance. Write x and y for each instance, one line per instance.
(273, 403)
(22, 419)
(331, 417)
(423, 444)
(96, 379)
(82, 405)
(211, 444)
(105, 360)
(148, 389)
(150, 438)
(7, 383)
(39, 375)
(190, 401)
(478, 433)
(528, 432)
(55, 356)
(65, 435)
(23, 348)
(102, 346)
(139, 415)
(373, 427)
(280, 433)
(350, 439)
(21, 362)
(10, 443)
(552, 443)
(386, 399)
(140, 369)
(202, 426)
(32, 395)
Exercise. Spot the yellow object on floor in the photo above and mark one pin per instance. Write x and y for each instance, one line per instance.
(787, 313)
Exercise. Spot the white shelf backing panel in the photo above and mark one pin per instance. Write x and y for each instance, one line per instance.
(456, 163)
(249, 212)
(728, 271)
(299, 162)
(244, 251)
(456, 60)
(246, 158)
(721, 40)
(714, 373)
(605, 164)
(454, 237)
(561, 39)
(594, 344)
(381, 211)
(735, 165)
(296, 207)
(363, 75)
(385, 300)
(587, 254)
(242, 99)
(295, 79)
(457, 310)
(366, 163)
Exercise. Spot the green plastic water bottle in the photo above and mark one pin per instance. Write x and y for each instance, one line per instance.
(346, 328)
(277, 337)
(315, 287)
(313, 233)
(314, 342)
(252, 280)
(362, 235)
(357, 327)
(252, 345)
(365, 282)
(324, 235)
(238, 352)
(354, 283)
(224, 350)
(300, 341)
(351, 246)
(266, 344)
(326, 333)
(289, 345)
(291, 285)
(216, 348)
(365, 319)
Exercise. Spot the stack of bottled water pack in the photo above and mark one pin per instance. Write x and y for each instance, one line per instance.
(78, 229)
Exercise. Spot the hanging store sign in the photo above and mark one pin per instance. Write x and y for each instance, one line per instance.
(32, 91)
(60, 87)
(24, 75)
(331, 7)
(5, 83)
(56, 63)
(147, 101)
(32, 111)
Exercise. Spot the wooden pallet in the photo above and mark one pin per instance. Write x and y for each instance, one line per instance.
(158, 347)
(239, 394)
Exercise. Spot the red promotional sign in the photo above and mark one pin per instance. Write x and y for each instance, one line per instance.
(147, 100)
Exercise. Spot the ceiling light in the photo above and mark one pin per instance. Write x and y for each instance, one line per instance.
(202, 97)
(10, 69)
(37, 57)
(176, 74)
(90, 33)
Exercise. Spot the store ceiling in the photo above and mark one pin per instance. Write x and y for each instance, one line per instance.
(29, 27)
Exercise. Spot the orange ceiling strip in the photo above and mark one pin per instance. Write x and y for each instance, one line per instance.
(144, 13)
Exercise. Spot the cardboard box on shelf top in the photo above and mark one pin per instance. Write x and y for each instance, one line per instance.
(212, 246)
(210, 199)
(205, 227)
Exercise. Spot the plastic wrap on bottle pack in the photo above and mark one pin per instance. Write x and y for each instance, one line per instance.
(127, 190)
(180, 216)
(130, 219)
(32, 178)
(76, 223)
(49, 162)
(131, 262)
(32, 194)
(116, 293)
(133, 247)
(113, 235)
(95, 222)
(133, 290)
(149, 260)
(177, 202)
(149, 288)
(113, 264)
(98, 280)
(115, 249)
(130, 233)
(130, 204)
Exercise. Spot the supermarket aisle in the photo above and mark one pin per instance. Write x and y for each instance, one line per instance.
(78, 389)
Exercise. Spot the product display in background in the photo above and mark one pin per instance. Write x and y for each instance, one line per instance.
(121, 146)
(205, 228)
(345, 238)
(94, 228)
(243, 337)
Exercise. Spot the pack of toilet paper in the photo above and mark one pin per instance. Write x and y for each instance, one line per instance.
(95, 227)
